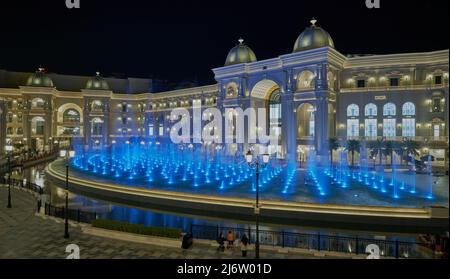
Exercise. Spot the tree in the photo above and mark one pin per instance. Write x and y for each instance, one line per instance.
(333, 144)
(377, 149)
(353, 146)
(389, 150)
(411, 148)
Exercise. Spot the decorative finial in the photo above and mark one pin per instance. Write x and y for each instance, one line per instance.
(241, 41)
(313, 21)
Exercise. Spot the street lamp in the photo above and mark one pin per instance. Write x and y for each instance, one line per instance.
(9, 149)
(255, 163)
(67, 155)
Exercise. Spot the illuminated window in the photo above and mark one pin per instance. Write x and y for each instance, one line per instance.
(370, 128)
(370, 110)
(161, 130)
(353, 110)
(394, 81)
(389, 128)
(409, 109)
(389, 109)
(352, 128)
(409, 127)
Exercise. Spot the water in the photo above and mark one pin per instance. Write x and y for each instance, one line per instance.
(210, 171)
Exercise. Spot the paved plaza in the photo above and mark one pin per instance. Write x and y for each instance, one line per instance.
(24, 234)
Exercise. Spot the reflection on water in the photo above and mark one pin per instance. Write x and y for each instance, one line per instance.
(108, 210)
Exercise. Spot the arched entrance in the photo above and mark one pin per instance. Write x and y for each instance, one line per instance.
(305, 130)
(267, 94)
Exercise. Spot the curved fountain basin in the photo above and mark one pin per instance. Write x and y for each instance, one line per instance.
(276, 211)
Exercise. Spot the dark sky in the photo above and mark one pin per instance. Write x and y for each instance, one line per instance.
(179, 40)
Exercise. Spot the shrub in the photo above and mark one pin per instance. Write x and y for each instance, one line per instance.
(136, 228)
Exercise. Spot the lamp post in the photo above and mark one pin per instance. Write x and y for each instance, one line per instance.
(9, 149)
(255, 163)
(67, 154)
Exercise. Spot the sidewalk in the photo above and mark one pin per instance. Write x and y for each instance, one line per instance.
(25, 234)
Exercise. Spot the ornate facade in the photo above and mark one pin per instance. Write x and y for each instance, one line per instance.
(312, 94)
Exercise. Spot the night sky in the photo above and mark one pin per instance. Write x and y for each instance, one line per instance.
(181, 40)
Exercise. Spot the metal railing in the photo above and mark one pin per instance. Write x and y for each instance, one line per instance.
(25, 186)
(318, 242)
(73, 214)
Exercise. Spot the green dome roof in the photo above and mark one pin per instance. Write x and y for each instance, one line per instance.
(240, 54)
(97, 82)
(40, 79)
(313, 37)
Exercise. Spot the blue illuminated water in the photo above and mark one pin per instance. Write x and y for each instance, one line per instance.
(210, 171)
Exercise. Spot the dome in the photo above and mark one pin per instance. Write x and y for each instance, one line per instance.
(40, 79)
(240, 54)
(97, 82)
(313, 37)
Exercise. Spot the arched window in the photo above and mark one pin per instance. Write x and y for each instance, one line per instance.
(352, 110)
(97, 126)
(389, 109)
(305, 80)
(409, 121)
(231, 90)
(370, 110)
(37, 126)
(389, 122)
(370, 123)
(37, 103)
(409, 109)
(97, 105)
(71, 116)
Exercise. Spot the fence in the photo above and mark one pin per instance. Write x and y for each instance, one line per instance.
(73, 214)
(25, 186)
(318, 242)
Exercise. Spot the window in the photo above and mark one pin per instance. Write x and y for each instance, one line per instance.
(436, 104)
(311, 122)
(150, 130)
(370, 110)
(389, 129)
(436, 130)
(161, 130)
(438, 80)
(71, 116)
(393, 81)
(389, 109)
(409, 109)
(371, 128)
(124, 107)
(97, 105)
(97, 127)
(352, 128)
(305, 80)
(19, 131)
(37, 103)
(361, 83)
(352, 110)
(409, 127)
(9, 131)
(124, 120)
(10, 117)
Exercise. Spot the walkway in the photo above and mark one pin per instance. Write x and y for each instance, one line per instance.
(23, 234)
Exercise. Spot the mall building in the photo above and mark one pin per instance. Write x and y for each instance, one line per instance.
(313, 94)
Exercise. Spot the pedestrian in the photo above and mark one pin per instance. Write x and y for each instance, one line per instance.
(221, 241)
(230, 239)
(244, 243)
(39, 204)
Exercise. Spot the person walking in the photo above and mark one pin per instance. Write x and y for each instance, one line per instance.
(221, 241)
(230, 239)
(244, 243)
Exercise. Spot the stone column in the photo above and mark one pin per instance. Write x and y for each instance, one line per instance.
(321, 134)
(2, 125)
(289, 122)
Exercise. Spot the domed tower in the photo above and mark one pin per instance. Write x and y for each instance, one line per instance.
(97, 82)
(240, 54)
(40, 79)
(313, 37)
